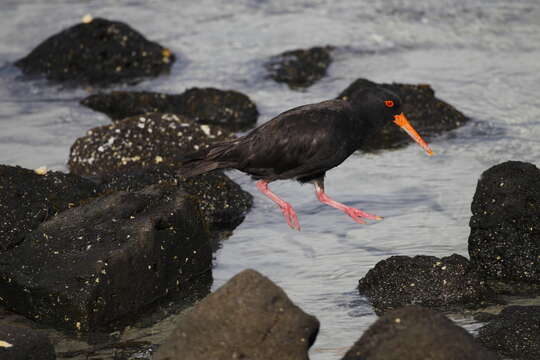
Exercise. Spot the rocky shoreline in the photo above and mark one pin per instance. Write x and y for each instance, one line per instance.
(122, 237)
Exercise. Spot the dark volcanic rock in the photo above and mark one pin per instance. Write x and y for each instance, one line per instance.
(18, 343)
(222, 202)
(504, 243)
(93, 265)
(300, 68)
(429, 115)
(27, 199)
(445, 283)
(101, 52)
(119, 105)
(514, 333)
(140, 141)
(414, 333)
(247, 318)
(230, 109)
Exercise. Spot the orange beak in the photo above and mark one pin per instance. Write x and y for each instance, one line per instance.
(401, 121)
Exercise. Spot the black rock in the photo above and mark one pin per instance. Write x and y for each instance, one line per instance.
(222, 202)
(100, 263)
(484, 316)
(247, 318)
(300, 68)
(18, 343)
(141, 141)
(514, 333)
(446, 283)
(504, 243)
(230, 109)
(27, 199)
(429, 115)
(414, 333)
(100, 52)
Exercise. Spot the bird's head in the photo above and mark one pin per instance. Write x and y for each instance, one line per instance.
(379, 106)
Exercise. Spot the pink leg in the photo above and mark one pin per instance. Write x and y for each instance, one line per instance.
(354, 213)
(286, 208)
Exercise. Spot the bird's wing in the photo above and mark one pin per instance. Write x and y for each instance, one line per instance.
(305, 139)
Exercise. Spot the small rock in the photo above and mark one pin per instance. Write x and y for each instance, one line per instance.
(101, 262)
(18, 343)
(514, 333)
(97, 52)
(300, 68)
(139, 141)
(504, 243)
(413, 333)
(27, 199)
(429, 115)
(445, 283)
(247, 318)
(230, 109)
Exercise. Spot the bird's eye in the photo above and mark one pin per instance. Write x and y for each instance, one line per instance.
(389, 103)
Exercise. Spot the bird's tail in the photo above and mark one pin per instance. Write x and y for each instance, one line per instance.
(203, 161)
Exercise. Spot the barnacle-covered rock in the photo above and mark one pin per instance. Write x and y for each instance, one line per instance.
(300, 68)
(228, 108)
(413, 333)
(222, 202)
(504, 243)
(446, 283)
(98, 52)
(28, 198)
(98, 263)
(514, 333)
(140, 141)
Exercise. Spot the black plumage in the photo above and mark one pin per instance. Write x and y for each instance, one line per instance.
(305, 142)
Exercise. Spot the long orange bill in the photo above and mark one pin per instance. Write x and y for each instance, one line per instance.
(401, 121)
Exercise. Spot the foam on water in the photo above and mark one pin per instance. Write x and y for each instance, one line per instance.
(482, 57)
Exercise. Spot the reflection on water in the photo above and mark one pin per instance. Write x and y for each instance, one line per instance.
(482, 57)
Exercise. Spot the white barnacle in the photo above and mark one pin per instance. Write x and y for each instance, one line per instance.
(205, 129)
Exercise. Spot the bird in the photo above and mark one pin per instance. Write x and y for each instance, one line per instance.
(305, 142)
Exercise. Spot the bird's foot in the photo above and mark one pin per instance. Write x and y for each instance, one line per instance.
(290, 216)
(358, 215)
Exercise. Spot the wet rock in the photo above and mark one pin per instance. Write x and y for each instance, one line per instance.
(18, 343)
(247, 318)
(27, 199)
(484, 316)
(222, 202)
(230, 109)
(504, 243)
(429, 115)
(100, 52)
(446, 283)
(300, 68)
(119, 105)
(413, 333)
(514, 333)
(105, 261)
(140, 141)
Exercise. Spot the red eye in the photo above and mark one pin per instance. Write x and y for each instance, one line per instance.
(389, 103)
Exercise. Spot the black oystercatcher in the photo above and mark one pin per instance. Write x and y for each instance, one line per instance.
(305, 142)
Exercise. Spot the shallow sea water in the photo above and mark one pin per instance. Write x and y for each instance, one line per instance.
(483, 57)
